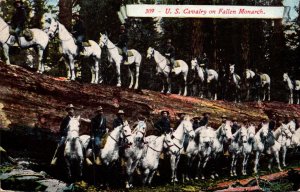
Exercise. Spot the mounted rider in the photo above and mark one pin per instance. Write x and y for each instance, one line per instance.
(205, 119)
(98, 129)
(19, 18)
(63, 131)
(180, 117)
(163, 124)
(119, 120)
(204, 63)
(170, 55)
(235, 126)
(123, 41)
(79, 32)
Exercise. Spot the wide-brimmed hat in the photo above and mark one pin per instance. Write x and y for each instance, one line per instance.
(99, 109)
(234, 119)
(205, 113)
(223, 116)
(245, 121)
(165, 111)
(196, 118)
(181, 113)
(70, 106)
(121, 112)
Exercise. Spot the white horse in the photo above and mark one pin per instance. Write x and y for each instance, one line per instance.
(292, 89)
(283, 135)
(183, 130)
(114, 55)
(212, 76)
(241, 144)
(70, 50)
(222, 135)
(134, 153)
(234, 81)
(260, 140)
(39, 42)
(265, 84)
(73, 152)
(163, 68)
(296, 139)
(152, 150)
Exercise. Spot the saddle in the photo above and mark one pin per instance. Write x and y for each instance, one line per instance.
(129, 53)
(26, 33)
(86, 44)
(176, 64)
(103, 140)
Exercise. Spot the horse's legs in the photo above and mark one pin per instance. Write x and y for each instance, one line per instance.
(276, 154)
(151, 177)
(257, 154)
(6, 53)
(163, 85)
(96, 71)
(284, 149)
(131, 77)
(204, 166)
(93, 74)
(118, 67)
(68, 163)
(232, 165)
(185, 84)
(269, 92)
(137, 75)
(41, 67)
(169, 85)
(146, 175)
(128, 172)
(72, 67)
(291, 99)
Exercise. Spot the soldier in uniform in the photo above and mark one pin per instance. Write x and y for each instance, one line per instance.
(63, 130)
(180, 117)
(119, 120)
(272, 123)
(19, 18)
(123, 41)
(196, 123)
(204, 120)
(79, 32)
(98, 129)
(163, 124)
(170, 54)
(204, 62)
(286, 119)
(235, 126)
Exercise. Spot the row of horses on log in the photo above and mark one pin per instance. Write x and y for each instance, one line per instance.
(70, 52)
(205, 144)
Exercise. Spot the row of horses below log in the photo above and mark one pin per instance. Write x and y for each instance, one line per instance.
(70, 51)
(204, 144)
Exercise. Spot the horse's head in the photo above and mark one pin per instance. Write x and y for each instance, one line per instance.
(285, 77)
(264, 131)
(126, 134)
(194, 63)
(168, 143)
(251, 132)
(244, 134)
(206, 136)
(231, 69)
(73, 127)
(285, 130)
(150, 53)
(226, 130)
(188, 126)
(140, 130)
(103, 40)
(53, 28)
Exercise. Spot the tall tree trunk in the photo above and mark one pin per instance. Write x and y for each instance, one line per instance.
(197, 37)
(65, 13)
(245, 47)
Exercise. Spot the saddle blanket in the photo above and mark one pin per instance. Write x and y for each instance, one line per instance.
(103, 140)
(129, 53)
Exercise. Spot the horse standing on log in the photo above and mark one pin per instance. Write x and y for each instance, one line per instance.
(115, 55)
(293, 89)
(163, 69)
(211, 81)
(71, 51)
(265, 81)
(234, 81)
(38, 41)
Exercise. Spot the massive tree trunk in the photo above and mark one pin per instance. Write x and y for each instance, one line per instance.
(65, 13)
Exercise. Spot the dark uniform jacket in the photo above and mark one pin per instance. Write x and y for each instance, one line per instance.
(196, 124)
(78, 29)
(123, 40)
(256, 81)
(98, 125)
(19, 18)
(170, 52)
(272, 125)
(203, 121)
(63, 130)
(117, 122)
(234, 128)
(163, 125)
(204, 61)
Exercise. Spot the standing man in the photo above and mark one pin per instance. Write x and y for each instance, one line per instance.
(119, 120)
(79, 32)
(98, 129)
(163, 124)
(123, 41)
(63, 131)
(170, 54)
(19, 18)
